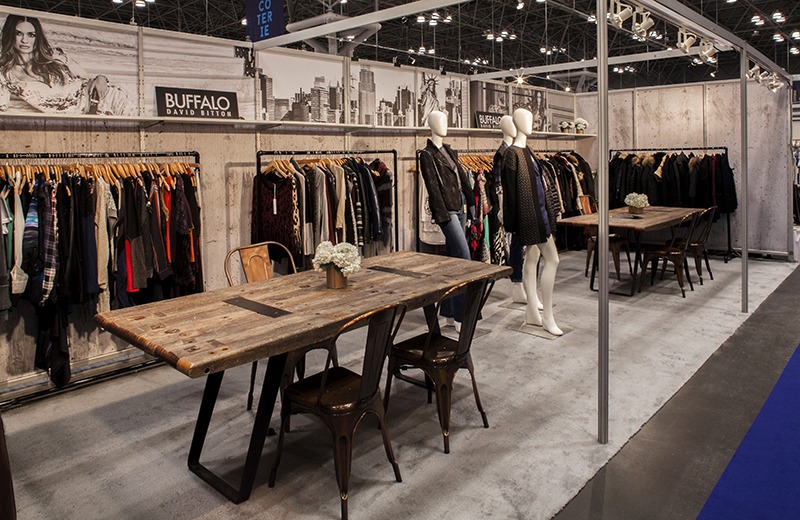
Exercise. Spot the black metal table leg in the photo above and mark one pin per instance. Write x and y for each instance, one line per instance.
(637, 257)
(266, 404)
(636, 260)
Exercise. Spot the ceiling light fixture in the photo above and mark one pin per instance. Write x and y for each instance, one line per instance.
(620, 13)
(753, 73)
(642, 23)
(764, 76)
(420, 18)
(778, 37)
(776, 84)
(117, 1)
(707, 51)
(140, 3)
(591, 18)
(520, 5)
(244, 21)
(778, 17)
(685, 40)
(795, 51)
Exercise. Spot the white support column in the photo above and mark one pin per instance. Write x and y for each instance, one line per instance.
(602, 228)
(745, 65)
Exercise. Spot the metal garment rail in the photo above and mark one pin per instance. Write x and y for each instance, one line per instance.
(730, 253)
(263, 153)
(112, 372)
(99, 155)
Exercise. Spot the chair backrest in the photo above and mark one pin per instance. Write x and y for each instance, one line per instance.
(475, 293)
(256, 261)
(382, 326)
(683, 232)
(703, 227)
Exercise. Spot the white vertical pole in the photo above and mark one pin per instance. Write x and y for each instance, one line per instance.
(602, 229)
(745, 65)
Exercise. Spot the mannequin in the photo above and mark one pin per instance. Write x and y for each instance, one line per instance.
(450, 199)
(527, 214)
(516, 254)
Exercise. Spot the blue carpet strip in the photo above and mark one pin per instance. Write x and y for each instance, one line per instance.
(762, 480)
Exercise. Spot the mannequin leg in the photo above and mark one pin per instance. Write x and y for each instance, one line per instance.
(455, 246)
(550, 254)
(532, 314)
(517, 260)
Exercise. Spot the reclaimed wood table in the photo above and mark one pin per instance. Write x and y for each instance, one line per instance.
(205, 334)
(654, 218)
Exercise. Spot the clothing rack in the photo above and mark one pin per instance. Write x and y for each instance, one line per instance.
(99, 155)
(112, 370)
(393, 152)
(730, 253)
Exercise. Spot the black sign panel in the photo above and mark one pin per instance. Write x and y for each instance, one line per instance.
(264, 19)
(184, 102)
(487, 119)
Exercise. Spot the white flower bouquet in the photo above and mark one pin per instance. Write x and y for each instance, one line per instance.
(344, 256)
(566, 125)
(637, 200)
(581, 124)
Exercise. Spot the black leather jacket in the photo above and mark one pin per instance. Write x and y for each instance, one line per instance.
(444, 184)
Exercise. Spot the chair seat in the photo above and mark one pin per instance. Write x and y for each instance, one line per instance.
(411, 350)
(342, 389)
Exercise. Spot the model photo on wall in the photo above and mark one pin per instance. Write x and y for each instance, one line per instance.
(534, 100)
(54, 68)
(381, 95)
(445, 93)
(299, 87)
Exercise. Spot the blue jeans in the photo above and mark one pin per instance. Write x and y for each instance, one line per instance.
(515, 258)
(455, 245)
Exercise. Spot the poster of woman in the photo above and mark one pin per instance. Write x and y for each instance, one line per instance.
(41, 69)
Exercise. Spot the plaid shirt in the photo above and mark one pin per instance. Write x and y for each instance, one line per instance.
(49, 231)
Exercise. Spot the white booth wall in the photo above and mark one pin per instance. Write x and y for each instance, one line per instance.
(708, 114)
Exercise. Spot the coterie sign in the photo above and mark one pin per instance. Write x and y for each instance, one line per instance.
(264, 19)
(184, 102)
(487, 119)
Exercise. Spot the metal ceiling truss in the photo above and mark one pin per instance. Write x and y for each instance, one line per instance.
(559, 26)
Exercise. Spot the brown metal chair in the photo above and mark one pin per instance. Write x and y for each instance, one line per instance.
(674, 251)
(697, 243)
(341, 398)
(616, 242)
(440, 357)
(257, 265)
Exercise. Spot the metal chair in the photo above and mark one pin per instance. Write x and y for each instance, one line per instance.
(674, 251)
(257, 265)
(616, 242)
(341, 398)
(440, 357)
(697, 243)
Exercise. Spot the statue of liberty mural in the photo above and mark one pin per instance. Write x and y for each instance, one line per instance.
(428, 102)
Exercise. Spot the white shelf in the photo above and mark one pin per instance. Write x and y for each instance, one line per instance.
(150, 121)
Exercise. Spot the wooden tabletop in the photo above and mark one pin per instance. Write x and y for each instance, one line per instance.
(653, 218)
(208, 332)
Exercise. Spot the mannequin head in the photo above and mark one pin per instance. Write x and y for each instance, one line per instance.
(437, 122)
(523, 121)
(508, 128)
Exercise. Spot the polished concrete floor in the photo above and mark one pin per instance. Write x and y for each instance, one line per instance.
(669, 468)
(118, 449)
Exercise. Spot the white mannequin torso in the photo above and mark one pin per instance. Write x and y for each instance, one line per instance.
(523, 121)
(437, 122)
(508, 128)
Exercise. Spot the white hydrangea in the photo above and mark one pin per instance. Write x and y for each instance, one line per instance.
(343, 255)
(637, 200)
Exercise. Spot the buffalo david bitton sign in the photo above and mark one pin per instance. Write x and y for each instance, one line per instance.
(184, 102)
